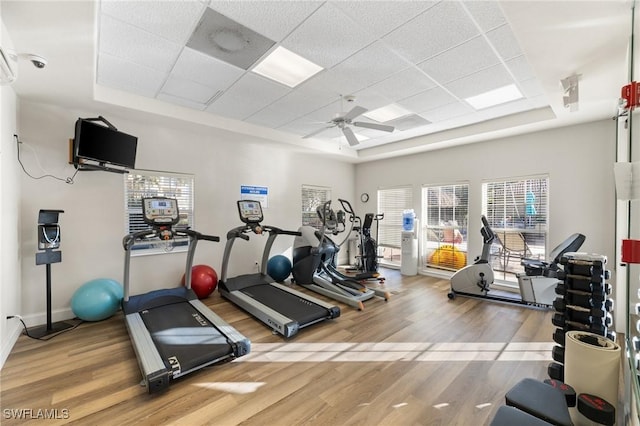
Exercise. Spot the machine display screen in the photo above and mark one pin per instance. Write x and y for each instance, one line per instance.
(250, 211)
(160, 210)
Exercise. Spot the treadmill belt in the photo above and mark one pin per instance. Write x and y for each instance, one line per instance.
(184, 338)
(297, 308)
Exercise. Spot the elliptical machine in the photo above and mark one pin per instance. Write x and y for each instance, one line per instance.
(537, 286)
(314, 263)
(366, 261)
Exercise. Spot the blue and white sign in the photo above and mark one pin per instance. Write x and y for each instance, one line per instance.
(256, 193)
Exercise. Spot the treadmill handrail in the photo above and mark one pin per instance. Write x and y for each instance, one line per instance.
(129, 239)
(240, 232)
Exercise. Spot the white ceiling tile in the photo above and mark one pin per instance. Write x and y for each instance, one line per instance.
(327, 37)
(304, 126)
(189, 90)
(204, 69)
(272, 117)
(487, 14)
(335, 83)
(299, 103)
(436, 30)
(135, 45)
(272, 19)
(447, 112)
(370, 65)
(119, 74)
(248, 95)
(505, 42)
(480, 82)
(407, 122)
(403, 84)
(462, 60)
(181, 101)
(371, 99)
(168, 19)
(531, 88)
(429, 99)
(381, 17)
(519, 67)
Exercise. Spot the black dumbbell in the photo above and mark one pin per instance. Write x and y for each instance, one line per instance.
(596, 409)
(559, 320)
(556, 371)
(575, 282)
(559, 336)
(561, 305)
(568, 392)
(557, 353)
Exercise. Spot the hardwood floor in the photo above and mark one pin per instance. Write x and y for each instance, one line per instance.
(418, 359)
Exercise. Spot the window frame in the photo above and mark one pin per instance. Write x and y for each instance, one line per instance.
(308, 205)
(432, 236)
(533, 227)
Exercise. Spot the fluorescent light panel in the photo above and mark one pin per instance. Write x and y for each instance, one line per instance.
(494, 97)
(286, 67)
(387, 113)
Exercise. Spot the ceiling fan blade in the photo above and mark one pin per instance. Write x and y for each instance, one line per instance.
(351, 138)
(375, 126)
(317, 131)
(355, 112)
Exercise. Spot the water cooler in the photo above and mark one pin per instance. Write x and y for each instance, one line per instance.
(409, 244)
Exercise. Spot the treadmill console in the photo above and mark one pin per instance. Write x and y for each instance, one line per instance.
(160, 211)
(250, 211)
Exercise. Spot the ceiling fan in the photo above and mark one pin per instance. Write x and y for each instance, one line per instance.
(344, 121)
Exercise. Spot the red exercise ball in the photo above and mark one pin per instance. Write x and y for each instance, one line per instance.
(204, 280)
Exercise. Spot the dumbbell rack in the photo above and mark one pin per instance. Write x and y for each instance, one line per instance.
(582, 304)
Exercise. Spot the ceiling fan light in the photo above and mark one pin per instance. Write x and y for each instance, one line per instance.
(498, 96)
(286, 67)
(387, 113)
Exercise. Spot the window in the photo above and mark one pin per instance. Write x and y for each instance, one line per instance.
(392, 202)
(445, 211)
(517, 211)
(312, 198)
(143, 183)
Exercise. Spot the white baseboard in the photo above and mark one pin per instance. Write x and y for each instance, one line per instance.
(41, 318)
(15, 329)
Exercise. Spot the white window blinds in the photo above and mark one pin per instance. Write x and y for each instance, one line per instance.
(312, 198)
(392, 202)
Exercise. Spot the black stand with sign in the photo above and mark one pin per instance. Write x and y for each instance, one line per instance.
(49, 241)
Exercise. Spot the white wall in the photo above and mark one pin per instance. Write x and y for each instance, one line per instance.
(578, 159)
(9, 220)
(92, 225)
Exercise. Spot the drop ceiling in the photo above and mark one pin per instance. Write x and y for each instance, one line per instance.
(196, 57)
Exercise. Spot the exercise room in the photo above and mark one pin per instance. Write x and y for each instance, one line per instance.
(306, 212)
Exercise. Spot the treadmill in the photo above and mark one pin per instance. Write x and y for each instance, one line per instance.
(281, 308)
(172, 332)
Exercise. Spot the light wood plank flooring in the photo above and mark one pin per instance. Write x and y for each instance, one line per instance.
(418, 359)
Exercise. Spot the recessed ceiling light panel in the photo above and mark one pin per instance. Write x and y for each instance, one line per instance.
(286, 67)
(387, 113)
(495, 97)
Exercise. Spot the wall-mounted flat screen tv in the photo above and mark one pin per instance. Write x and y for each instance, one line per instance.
(103, 144)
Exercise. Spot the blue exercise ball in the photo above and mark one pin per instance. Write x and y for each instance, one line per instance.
(279, 267)
(97, 299)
